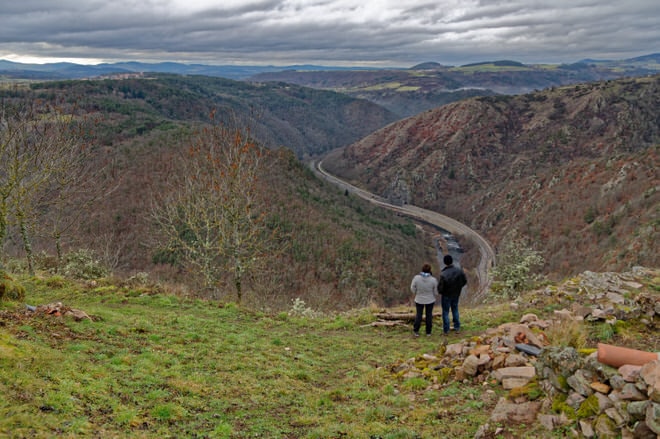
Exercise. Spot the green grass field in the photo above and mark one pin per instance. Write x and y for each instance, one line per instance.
(155, 365)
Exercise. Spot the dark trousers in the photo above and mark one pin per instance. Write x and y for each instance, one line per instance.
(429, 317)
(450, 303)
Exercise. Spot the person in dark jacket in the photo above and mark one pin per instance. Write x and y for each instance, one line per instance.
(451, 282)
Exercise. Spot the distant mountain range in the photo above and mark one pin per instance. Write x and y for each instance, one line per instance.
(428, 85)
(402, 91)
(65, 70)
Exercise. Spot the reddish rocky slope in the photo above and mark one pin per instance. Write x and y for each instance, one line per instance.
(574, 168)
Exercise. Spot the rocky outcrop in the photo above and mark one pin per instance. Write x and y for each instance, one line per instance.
(574, 167)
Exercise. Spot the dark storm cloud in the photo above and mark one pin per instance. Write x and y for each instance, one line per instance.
(343, 32)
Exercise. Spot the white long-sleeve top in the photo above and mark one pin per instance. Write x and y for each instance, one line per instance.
(425, 288)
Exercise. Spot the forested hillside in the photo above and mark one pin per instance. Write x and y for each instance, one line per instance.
(331, 250)
(574, 169)
(305, 120)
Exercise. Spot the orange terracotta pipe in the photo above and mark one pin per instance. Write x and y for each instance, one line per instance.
(616, 356)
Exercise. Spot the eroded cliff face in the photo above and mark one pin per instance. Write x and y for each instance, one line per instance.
(573, 168)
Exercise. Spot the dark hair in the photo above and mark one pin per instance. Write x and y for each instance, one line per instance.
(448, 260)
(426, 268)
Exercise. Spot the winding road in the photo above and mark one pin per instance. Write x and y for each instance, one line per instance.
(486, 252)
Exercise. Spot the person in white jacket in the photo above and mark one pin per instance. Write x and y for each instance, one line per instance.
(425, 288)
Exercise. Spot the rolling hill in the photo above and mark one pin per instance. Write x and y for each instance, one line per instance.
(425, 86)
(305, 120)
(403, 91)
(574, 168)
(339, 251)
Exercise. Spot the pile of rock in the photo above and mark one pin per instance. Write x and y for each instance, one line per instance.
(501, 348)
(610, 296)
(560, 387)
(57, 309)
(504, 355)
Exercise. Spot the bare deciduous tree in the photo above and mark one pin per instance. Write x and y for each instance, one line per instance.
(44, 165)
(31, 142)
(210, 216)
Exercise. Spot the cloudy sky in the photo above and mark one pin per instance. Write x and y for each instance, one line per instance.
(328, 32)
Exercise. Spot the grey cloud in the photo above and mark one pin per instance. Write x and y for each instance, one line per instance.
(338, 32)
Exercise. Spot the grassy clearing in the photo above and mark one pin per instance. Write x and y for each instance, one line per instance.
(153, 365)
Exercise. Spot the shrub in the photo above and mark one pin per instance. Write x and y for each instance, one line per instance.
(300, 309)
(46, 262)
(10, 289)
(516, 262)
(56, 281)
(567, 333)
(138, 279)
(82, 264)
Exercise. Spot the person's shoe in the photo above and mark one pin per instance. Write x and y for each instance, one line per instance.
(458, 331)
(416, 334)
(428, 335)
